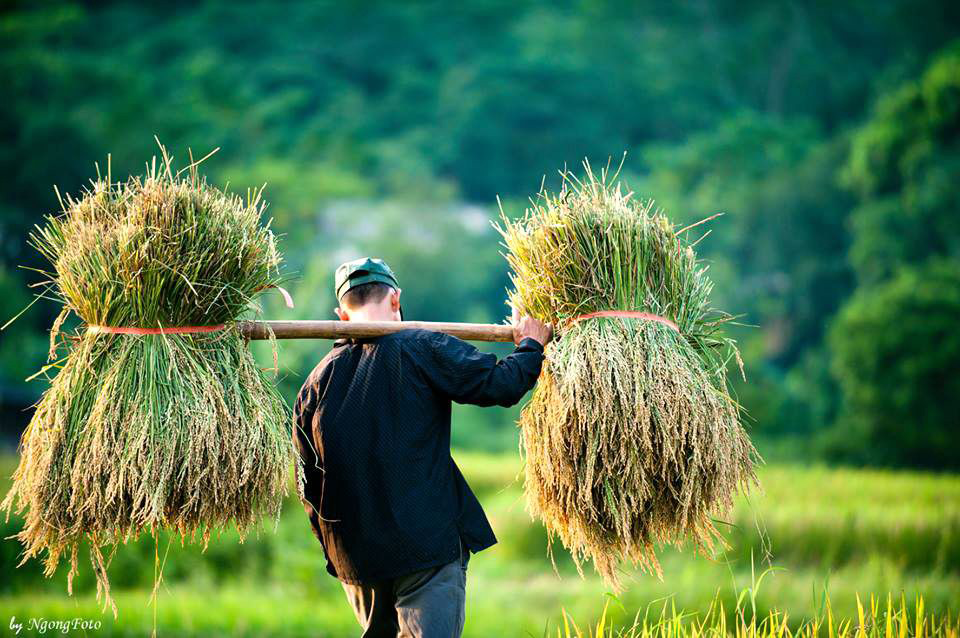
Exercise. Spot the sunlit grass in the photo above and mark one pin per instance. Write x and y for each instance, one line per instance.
(878, 617)
(284, 610)
(849, 532)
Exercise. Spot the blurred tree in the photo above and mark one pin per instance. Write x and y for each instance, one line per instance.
(779, 254)
(342, 106)
(780, 250)
(896, 353)
(905, 166)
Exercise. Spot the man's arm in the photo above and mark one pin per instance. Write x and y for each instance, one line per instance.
(466, 375)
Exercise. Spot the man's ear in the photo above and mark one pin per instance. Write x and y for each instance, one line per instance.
(395, 300)
(342, 313)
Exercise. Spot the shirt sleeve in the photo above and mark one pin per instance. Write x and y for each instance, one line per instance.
(466, 375)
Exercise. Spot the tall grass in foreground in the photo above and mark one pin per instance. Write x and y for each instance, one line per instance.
(139, 432)
(879, 618)
(631, 439)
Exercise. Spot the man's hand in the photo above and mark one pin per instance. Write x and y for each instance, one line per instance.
(524, 327)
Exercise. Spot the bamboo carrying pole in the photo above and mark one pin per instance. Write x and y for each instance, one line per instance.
(333, 329)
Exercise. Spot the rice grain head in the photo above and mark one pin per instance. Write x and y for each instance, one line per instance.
(631, 439)
(141, 432)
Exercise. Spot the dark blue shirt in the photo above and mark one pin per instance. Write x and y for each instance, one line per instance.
(372, 428)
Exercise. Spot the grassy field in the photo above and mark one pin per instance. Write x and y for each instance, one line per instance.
(812, 530)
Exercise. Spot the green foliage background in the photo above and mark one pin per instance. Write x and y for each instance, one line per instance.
(828, 134)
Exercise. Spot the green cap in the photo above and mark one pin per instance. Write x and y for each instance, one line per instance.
(361, 271)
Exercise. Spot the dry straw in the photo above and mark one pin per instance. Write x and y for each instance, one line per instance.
(141, 432)
(631, 439)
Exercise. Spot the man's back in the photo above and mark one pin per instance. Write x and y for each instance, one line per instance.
(372, 426)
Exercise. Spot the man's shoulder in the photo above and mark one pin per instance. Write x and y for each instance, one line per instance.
(423, 344)
(338, 350)
(409, 336)
(415, 334)
(421, 338)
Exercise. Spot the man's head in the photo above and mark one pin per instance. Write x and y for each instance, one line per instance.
(367, 291)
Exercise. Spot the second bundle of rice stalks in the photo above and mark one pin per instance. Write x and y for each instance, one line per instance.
(159, 417)
(631, 439)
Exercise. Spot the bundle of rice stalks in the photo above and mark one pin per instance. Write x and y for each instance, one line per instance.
(159, 416)
(631, 439)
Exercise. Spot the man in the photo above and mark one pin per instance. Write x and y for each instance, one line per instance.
(395, 516)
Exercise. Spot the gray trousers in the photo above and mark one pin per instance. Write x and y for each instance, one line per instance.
(429, 603)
